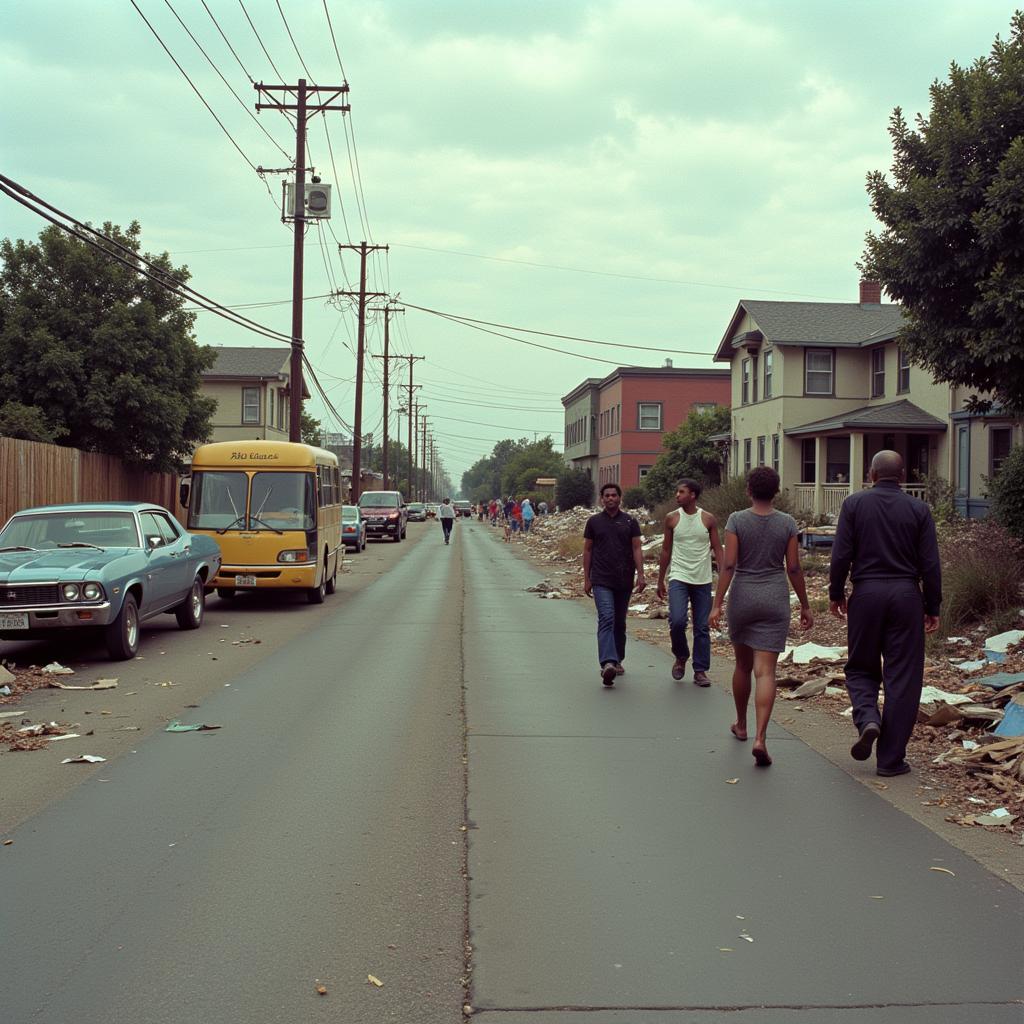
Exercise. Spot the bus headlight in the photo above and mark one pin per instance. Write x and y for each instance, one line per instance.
(301, 555)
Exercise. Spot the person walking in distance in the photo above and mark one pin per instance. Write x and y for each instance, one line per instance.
(760, 552)
(446, 513)
(611, 555)
(528, 514)
(691, 537)
(885, 540)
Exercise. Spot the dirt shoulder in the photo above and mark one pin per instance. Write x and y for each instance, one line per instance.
(945, 797)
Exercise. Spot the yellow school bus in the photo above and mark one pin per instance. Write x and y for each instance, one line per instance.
(275, 510)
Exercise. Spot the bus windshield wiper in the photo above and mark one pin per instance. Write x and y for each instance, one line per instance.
(232, 524)
(262, 522)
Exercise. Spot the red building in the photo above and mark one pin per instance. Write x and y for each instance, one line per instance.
(637, 405)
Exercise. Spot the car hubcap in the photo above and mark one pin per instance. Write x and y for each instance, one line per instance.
(132, 626)
(197, 601)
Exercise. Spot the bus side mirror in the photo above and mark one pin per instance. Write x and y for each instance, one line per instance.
(183, 492)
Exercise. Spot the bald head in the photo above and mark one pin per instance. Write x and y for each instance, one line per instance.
(887, 465)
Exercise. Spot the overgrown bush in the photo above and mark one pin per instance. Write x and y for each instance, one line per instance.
(634, 497)
(981, 574)
(731, 496)
(940, 494)
(1007, 493)
(574, 488)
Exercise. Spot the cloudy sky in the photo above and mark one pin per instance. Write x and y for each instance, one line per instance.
(619, 171)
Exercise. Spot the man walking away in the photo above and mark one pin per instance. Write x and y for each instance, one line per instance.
(691, 536)
(611, 554)
(446, 513)
(888, 539)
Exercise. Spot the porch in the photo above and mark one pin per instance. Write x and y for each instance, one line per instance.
(833, 495)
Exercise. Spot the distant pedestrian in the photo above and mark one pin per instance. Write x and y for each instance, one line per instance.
(611, 555)
(542, 508)
(516, 519)
(691, 537)
(760, 551)
(492, 510)
(528, 514)
(446, 513)
(887, 538)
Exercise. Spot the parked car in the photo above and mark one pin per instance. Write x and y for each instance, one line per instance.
(385, 513)
(417, 512)
(105, 566)
(353, 528)
(431, 510)
(462, 508)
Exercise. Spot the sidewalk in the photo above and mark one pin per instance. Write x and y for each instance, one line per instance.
(616, 868)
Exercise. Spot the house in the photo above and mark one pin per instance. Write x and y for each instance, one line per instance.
(614, 426)
(251, 388)
(819, 387)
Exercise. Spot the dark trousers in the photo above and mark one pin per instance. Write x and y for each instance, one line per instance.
(886, 620)
(612, 604)
(446, 526)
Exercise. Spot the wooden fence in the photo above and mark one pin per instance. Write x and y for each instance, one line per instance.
(44, 474)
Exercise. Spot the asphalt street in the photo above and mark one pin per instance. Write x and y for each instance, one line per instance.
(616, 872)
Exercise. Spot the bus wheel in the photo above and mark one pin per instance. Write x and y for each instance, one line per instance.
(332, 583)
(315, 595)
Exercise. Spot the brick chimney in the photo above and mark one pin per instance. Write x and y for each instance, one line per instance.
(870, 293)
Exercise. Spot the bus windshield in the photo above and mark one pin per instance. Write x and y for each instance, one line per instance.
(218, 500)
(279, 501)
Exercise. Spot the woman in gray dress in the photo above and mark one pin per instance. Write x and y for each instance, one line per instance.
(760, 552)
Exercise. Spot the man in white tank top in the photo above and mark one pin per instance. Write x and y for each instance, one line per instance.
(691, 537)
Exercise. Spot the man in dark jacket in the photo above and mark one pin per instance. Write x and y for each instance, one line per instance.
(887, 539)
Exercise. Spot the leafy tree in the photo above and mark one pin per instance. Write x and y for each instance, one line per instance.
(1006, 491)
(952, 249)
(100, 355)
(309, 428)
(27, 422)
(634, 497)
(537, 459)
(574, 488)
(686, 451)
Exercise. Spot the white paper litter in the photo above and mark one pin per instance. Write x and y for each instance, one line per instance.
(83, 759)
(55, 668)
(805, 653)
(971, 666)
(639, 608)
(969, 745)
(1002, 641)
(957, 640)
(932, 695)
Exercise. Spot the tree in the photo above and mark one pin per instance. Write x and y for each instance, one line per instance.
(309, 429)
(102, 358)
(533, 460)
(688, 452)
(574, 488)
(1006, 490)
(27, 422)
(952, 248)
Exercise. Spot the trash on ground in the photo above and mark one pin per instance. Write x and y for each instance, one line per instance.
(84, 759)
(811, 688)
(804, 654)
(932, 695)
(1000, 680)
(55, 668)
(731, 782)
(5, 675)
(1013, 718)
(197, 727)
(321, 990)
(5, 691)
(12, 714)
(943, 871)
(997, 646)
(100, 684)
(638, 608)
(971, 666)
(374, 980)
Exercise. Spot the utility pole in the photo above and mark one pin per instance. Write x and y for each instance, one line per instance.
(357, 419)
(387, 309)
(303, 110)
(409, 408)
(417, 456)
(423, 474)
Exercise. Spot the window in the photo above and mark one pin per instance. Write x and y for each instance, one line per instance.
(745, 382)
(808, 460)
(775, 452)
(1000, 440)
(746, 455)
(818, 371)
(735, 458)
(250, 405)
(877, 372)
(703, 407)
(761, 451)
(270, 406)
(753, 378)
(963, 460)
(768, 360)
(903, 370)
(643, 471)
(618, 418)
(648, 415)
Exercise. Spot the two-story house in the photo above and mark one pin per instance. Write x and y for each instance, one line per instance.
(614, 426)
(251, 388)
(819, 387)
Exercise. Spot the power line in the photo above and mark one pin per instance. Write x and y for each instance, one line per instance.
(433, 396)
(280, 77)
(335, 41)
(229, 46)
(292, 38)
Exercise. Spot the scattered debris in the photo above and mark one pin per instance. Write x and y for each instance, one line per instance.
(84, 759)
(374, 980)
(997, 646)
(943, 871)
(804, 654)
(198, 727)
(321, 990)
(1013, 718)
(100, 684)
(810, 688)
(55, 668)
(731, 782)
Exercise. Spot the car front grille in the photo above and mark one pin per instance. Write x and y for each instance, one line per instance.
(40, 593)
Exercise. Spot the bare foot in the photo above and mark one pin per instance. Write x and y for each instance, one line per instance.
(761, 758)
(739, 731)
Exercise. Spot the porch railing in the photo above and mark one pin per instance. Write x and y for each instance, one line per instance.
(833, 495)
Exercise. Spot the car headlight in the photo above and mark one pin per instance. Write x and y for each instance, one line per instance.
(394, 515)
(70, 591)
(301, 555)
(92, 592)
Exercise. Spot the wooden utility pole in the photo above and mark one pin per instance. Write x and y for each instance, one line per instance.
(423, 468)
(409, 407)
(303, 110)
(387, 310)
(357, 419)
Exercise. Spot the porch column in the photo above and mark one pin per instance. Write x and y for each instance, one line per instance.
(820, 469)
(856, 462)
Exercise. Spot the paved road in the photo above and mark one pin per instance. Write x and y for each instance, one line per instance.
(613, 870)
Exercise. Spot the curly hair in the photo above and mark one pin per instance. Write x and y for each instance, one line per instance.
(763, 483)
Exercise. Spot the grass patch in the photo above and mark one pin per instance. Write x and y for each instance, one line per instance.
(571, 547)
(731, 496)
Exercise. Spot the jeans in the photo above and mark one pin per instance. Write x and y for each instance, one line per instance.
(527, 523)
(611, 605)
(446, 526)
(680, 595)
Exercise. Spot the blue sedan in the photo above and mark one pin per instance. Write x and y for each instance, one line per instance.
(106, 566)
(353, 528)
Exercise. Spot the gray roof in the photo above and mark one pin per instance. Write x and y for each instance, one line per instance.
(839, 324)
(902, 415)
(258, 363)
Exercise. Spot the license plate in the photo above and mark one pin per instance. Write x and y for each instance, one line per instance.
(13, 620)
(245, 581)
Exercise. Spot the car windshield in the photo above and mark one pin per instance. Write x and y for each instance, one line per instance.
(54, 529)
(349, 513)
(416, 506)
(378, 499)
(279, 501)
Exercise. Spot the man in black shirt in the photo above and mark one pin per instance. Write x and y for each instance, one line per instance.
(611, 554)
(888, 538)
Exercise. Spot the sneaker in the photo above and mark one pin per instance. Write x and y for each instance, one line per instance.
(701, 679)
(608, 673)
(619, 670)
(861, 750)
(678, 669)
(901, 769)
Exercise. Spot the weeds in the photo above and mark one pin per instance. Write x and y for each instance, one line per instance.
(571, 547)
(731, 496)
